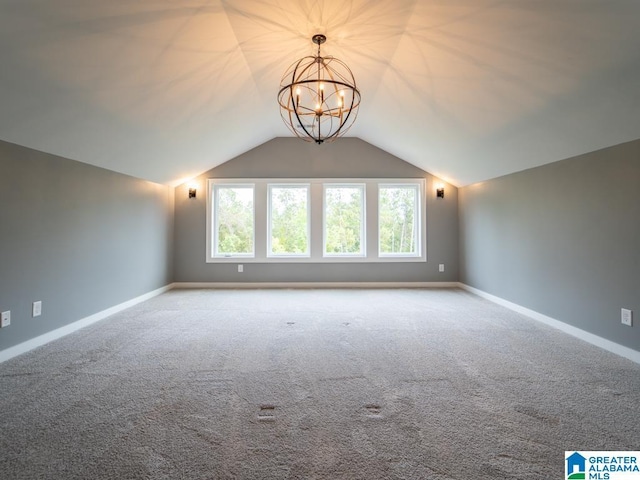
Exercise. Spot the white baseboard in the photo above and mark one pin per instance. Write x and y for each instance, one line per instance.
(258, 285)
(608, 345)
(571, 330)
(77, 325)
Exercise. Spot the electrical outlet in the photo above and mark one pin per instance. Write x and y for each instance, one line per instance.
(5, 319)
(240, 268)
(36, 310)
(441, 267)
(626, 317)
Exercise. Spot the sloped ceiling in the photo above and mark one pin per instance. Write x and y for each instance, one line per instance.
(465, 89)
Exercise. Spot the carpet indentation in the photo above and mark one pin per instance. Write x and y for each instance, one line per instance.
(537, 415)
(373, 410)
(267, 413)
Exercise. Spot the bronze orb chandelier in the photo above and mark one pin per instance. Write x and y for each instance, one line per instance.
(318, 97)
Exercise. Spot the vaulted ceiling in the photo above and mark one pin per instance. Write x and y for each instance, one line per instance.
(465, 89)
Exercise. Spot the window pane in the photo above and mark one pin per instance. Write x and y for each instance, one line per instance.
(234, 220)
(398, 220)
(289, 220)
(343, 220)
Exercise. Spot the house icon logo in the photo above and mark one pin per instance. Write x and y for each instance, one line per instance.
(576, 467)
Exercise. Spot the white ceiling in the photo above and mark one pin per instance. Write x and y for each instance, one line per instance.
(465, 89)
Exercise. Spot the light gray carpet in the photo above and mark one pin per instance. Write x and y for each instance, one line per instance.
(318, 384)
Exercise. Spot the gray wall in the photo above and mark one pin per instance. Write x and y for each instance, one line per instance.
(562, 239)
(79, 238)
(293, 158)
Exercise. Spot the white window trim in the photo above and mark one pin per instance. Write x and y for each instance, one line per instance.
(316, 211)
(306, 254)
(363, 215)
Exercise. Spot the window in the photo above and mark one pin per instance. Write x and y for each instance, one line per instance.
(288, 220)
(316, 220)
(234, 225)
(343, 222)
(398, 220)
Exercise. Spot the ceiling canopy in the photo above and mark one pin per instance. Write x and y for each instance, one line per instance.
(467, 90)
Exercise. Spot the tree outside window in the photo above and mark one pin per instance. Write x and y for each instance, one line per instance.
(398, 224)
(234, 220)
(289, 220)
(343, 220)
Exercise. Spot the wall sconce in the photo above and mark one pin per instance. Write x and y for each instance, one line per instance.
(440, 191)
(192, 191)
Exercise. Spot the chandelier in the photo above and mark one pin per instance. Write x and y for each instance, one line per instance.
(318, 97)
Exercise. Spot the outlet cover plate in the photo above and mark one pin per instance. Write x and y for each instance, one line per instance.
(626, 317)
(37, 309)
(5, 319)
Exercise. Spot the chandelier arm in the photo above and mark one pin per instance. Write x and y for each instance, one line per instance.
(302, 125)
(343, 123)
